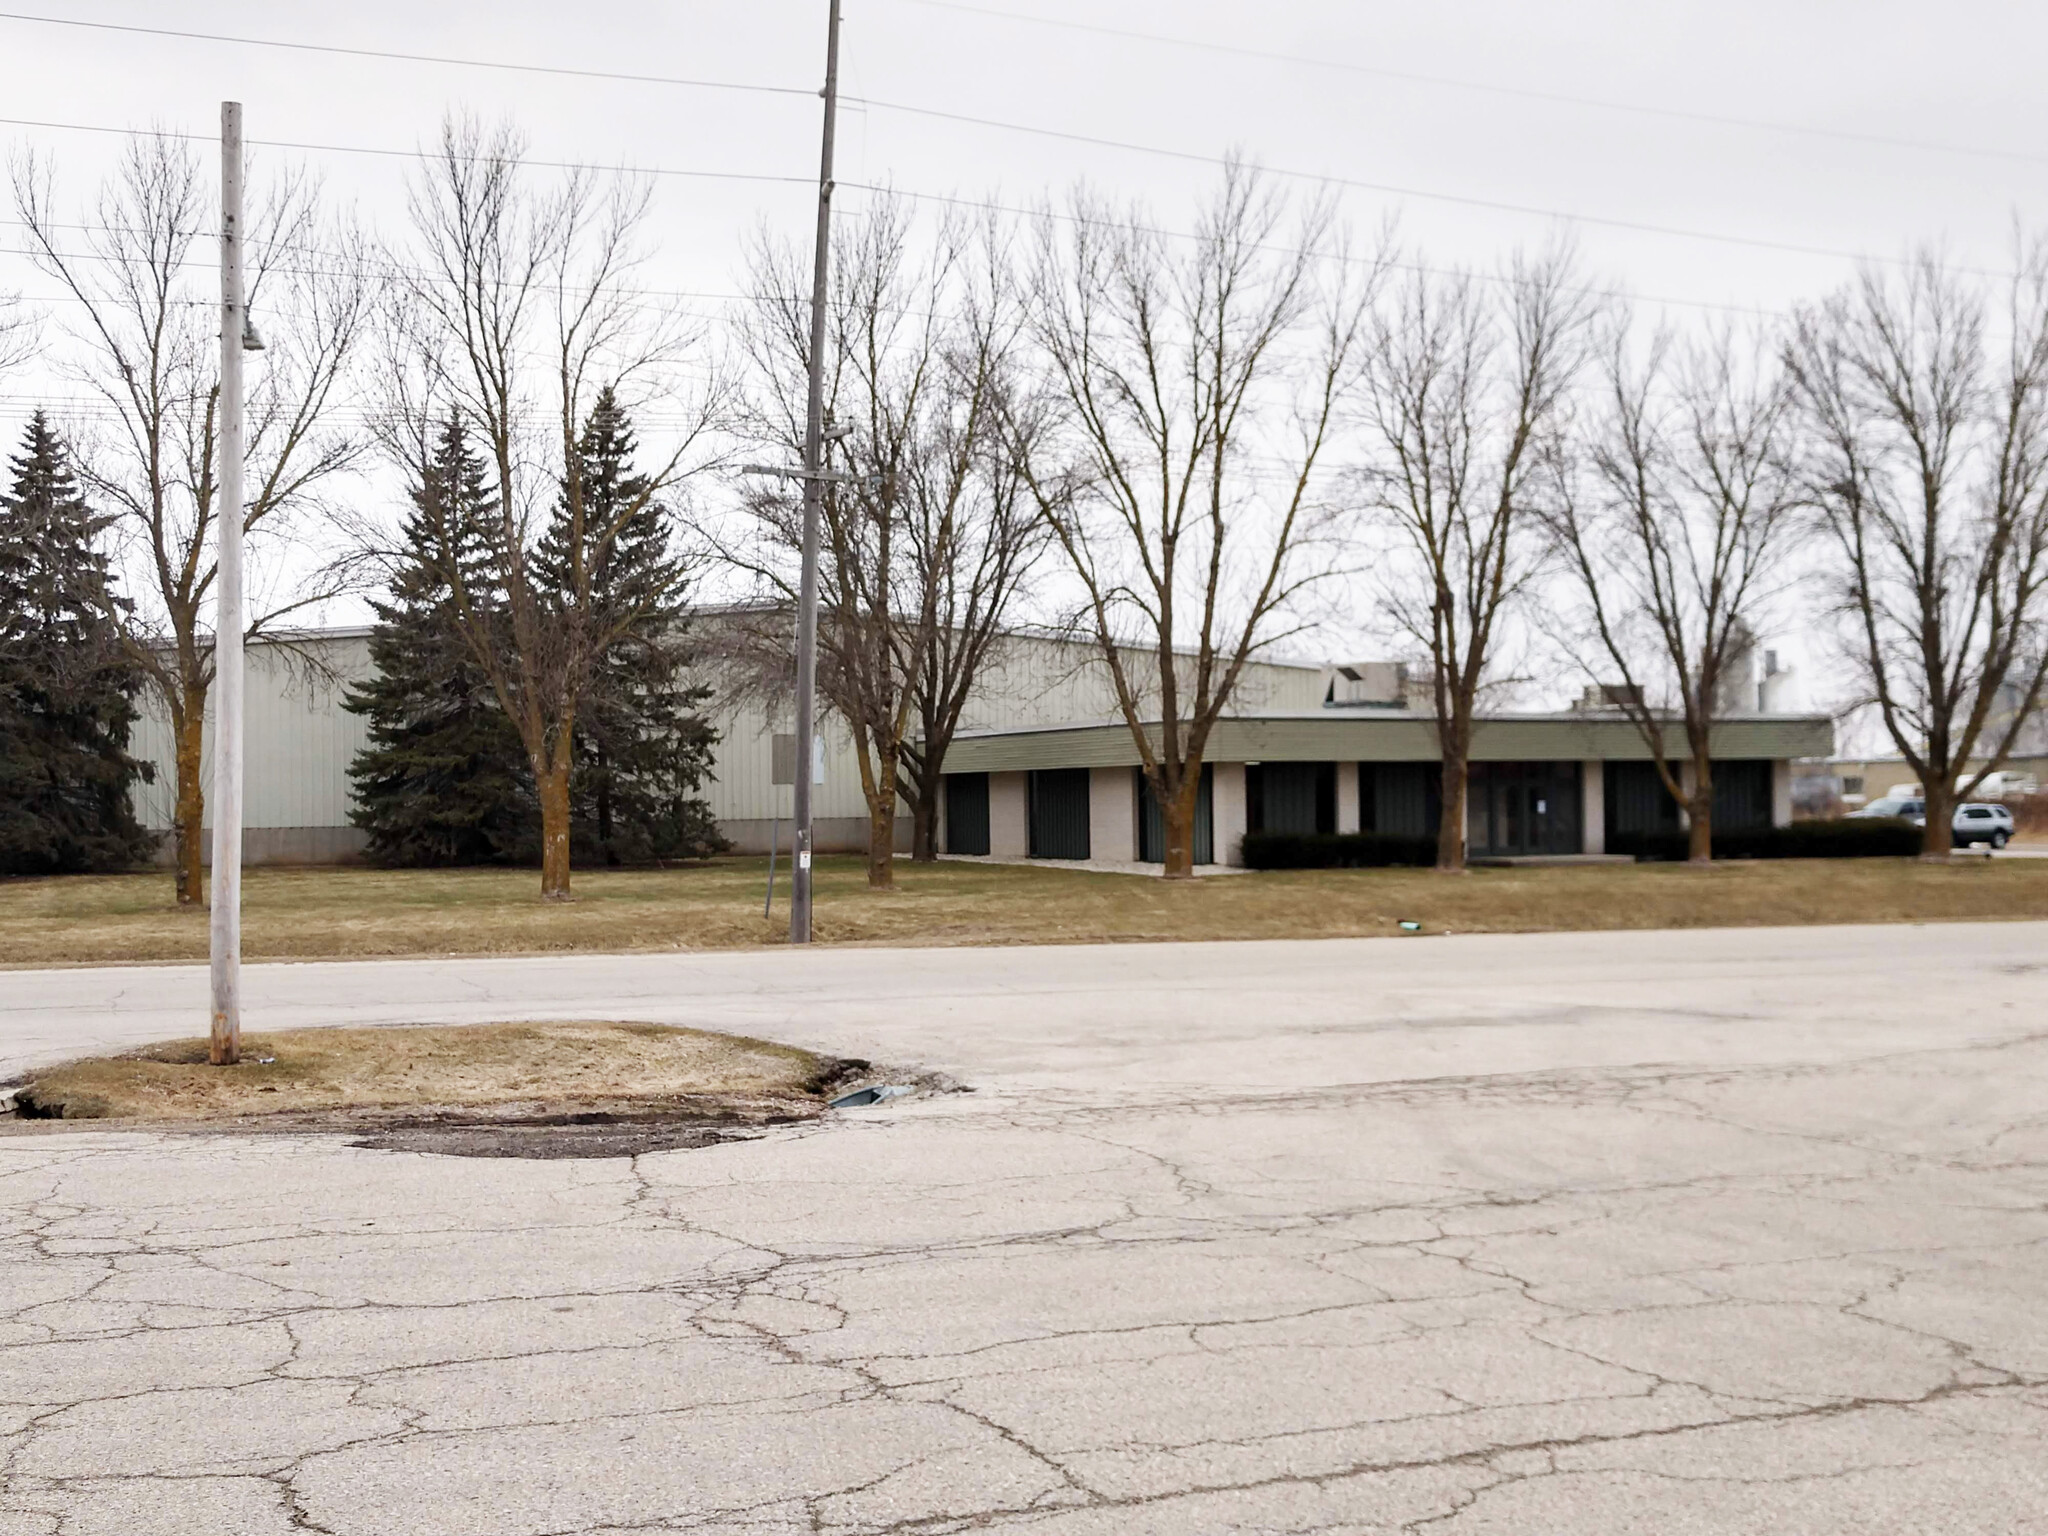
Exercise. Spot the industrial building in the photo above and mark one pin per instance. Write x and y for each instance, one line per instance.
(1044, 768)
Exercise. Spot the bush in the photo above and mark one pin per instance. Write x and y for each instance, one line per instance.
(1336, 850)
(1873, 837)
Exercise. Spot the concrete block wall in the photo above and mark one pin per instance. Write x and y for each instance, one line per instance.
(1593, 806)
(1113, 814)
(1347, 797)
(1227, 801)
(1009, 815)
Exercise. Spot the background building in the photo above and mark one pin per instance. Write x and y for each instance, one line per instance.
(1043, 765)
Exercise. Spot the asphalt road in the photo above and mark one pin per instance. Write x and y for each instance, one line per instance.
(1726, 1231)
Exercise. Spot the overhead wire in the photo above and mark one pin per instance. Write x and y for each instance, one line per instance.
(303, 147)
(1321, 178)
(395, 55)
(940, 115)
(1523, 93)
(1832, 254)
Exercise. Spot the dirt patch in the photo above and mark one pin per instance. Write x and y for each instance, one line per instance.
(569, 1089)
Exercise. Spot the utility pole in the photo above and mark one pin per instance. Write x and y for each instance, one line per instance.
(224, 1043)
(814, 490)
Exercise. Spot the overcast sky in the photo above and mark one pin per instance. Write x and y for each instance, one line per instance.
(1922, 122)
(1905, 78)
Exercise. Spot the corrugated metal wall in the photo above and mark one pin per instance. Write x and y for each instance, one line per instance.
(967, 813)
(1059, 814)
(299, 742)
(1034, 681)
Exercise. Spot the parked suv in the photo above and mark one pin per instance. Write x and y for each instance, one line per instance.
(1974, 822)
(1983, 823)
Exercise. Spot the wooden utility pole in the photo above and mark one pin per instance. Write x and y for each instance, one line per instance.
(224, 1045)
(814, 490)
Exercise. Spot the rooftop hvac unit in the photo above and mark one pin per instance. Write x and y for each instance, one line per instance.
(1369, 684)
(1611, 696)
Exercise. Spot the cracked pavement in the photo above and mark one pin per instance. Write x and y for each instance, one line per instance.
(1666, 1232)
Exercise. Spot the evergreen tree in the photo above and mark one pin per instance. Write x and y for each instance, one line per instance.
(643, 746)
(444, 779)
(66, 684)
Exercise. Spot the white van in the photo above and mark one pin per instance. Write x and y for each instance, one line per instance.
(2007, 784)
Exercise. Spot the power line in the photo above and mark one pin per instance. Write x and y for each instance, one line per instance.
(396, 154)
(1523, 93)
(741, 296)
(413, 58)
(1186, 155)
(1324, 179)
(940, 115)
(1283, 250)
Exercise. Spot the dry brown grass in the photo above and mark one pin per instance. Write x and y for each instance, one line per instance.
(561, 1065)
(346, 913)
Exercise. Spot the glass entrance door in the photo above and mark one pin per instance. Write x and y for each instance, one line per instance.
(1518, 809)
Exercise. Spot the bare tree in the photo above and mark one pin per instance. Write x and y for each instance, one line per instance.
(18, 332)
(925, 541)
(144, 334)
(513, 310)
(1674, 530)
(1929, 469)
(1199, 395)
(1466, 384)
(975, 537)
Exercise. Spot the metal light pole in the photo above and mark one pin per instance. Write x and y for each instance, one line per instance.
(224, 1045)
(814, 489)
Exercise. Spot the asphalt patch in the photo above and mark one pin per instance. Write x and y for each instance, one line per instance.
(582, 1136)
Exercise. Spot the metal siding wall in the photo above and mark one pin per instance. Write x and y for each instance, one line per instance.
(1291, 797)
(1059, 814)
(1401, 799)
(1742, 795)
(1636, 800)
(1032, 681)
(967, 813)
(743, 787)
(300, 741)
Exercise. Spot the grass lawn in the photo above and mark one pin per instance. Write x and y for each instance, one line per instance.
(327, 1070)
(318, 913)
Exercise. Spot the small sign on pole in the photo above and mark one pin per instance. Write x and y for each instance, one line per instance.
(783, 759)
(781, 771)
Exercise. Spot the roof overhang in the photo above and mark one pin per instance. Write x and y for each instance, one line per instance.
(1386, 739)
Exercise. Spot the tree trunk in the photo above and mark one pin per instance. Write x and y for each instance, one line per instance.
(553, 783)
(1699, 840)
(1699, 813)
(924, 818)
(882, 827)
(1450, 832)
(1177, 817)
(1938, 839)
(189, 831)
